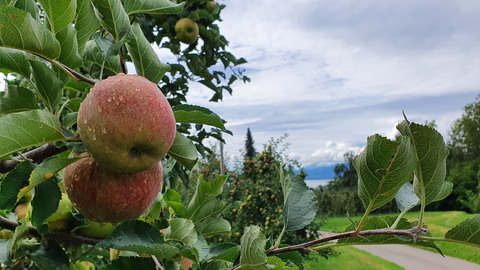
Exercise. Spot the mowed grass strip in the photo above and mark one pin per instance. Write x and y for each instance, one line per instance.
(438, 224)
(349, 258)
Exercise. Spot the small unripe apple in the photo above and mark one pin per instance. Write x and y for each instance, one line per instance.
(21, 210)
(187, 30)
(96, 230)
(62, 218)
(126, 123)
(109, 197)
(210, 6)
(82, 265)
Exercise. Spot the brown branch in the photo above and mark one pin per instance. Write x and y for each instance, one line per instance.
(36, 156)
(62, 237)
(306, 247)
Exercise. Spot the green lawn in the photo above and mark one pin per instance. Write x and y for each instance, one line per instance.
(349, 258)
(438, 224)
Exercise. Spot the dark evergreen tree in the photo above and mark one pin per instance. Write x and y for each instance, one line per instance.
(250, 149)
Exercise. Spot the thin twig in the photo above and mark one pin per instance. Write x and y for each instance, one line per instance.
(62, 237)
(157, 263)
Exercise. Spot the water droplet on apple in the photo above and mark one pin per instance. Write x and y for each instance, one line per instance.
(89, 129)
(85, 121)
(109, 99)
(104, 130)
(120, 97)
(151, 98)
(137, 89)
(99, 109)
(140, 128)
(94, 137)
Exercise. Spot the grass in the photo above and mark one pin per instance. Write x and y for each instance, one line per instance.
(438, 224)
(349, 258)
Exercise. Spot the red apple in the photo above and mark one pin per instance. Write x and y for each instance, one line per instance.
(126, 123)
(108, 197)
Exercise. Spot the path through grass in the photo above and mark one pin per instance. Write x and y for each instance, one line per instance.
(349, 258)
(438, 224)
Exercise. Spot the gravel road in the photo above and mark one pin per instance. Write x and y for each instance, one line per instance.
(415, 258)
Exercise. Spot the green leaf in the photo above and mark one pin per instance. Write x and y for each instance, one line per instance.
(70, 119)
(60, 13)
(181, 230)
(174, 200)
(224, 251)
(275, 262)
(467, 232)
(294, 256)
(112, 17)
(131, 263)
(184, 151)
(213, 226)
(374, 223)
(205, 194)
(406, 198)
(46, 170)
(27, 129)
(17, 99)
(195, 114)
(94, 55)
(86, 23)
(45, 201)
(211, 208)
(14, 61)
(68, 42)
(153, 7)
(147, 63)
(431, 154)
(252, 254)
(19, 30)
(301, 204)
(447, 188)
(30, 6)
(48, 86)
(50, 255)
(383, 167)
(11, 185)
(138, 236)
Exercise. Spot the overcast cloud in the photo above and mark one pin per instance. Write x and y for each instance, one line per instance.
(331, 73)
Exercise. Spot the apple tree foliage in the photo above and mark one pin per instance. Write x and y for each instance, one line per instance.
(58, 49)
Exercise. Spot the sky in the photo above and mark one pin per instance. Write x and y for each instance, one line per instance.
(332, 73)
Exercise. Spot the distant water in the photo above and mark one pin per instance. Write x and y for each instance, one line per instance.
(317, 182)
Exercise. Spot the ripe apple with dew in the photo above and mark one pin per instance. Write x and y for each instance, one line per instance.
(126, 123)
(187, 30)
(110, 197)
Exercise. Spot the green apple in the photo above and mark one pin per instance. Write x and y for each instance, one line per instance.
(187, 30)
(126, 123)
(96, 230)
(62, 218)
(110, 197)
(210, 6)
(82, 265)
